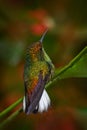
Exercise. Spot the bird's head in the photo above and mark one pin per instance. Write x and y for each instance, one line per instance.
(35, 50)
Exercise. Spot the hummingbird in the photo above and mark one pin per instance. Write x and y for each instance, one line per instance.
(38, 71)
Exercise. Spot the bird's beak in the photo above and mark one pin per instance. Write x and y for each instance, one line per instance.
(41, 40)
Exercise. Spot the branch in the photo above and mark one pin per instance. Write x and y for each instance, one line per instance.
(7, 110)
(10, 117)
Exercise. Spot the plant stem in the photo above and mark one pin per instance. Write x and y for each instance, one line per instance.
(10, 117)
(7, 110)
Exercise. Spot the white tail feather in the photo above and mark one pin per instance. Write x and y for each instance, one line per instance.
(24, 104)
(44, 102)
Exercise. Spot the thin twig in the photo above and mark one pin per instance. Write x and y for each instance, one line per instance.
(10, 117)
(7, 110)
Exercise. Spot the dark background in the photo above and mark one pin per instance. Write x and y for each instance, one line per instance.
(23, 22)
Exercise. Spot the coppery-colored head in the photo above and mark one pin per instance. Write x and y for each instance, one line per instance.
(37, 46)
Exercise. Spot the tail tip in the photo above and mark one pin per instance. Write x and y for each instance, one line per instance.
(44, 102)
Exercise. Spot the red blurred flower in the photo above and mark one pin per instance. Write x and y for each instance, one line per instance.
(38, 28)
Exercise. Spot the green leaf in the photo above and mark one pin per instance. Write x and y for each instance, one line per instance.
(76, 68)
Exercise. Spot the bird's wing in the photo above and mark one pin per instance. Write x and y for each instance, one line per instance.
(32, 100)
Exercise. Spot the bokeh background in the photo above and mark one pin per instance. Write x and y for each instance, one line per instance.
(23, 22)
